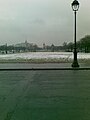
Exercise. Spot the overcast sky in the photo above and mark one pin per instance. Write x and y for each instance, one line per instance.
(42, 21)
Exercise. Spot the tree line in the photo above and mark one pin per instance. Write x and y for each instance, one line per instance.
(4, 49)
(83, 45)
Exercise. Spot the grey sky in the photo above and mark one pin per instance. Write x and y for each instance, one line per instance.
(41, 21)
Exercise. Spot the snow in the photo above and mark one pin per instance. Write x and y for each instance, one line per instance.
(44, 55)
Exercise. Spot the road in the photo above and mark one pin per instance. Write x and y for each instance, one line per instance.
(45, 95)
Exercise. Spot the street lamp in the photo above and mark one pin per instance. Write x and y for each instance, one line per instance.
(75, 7)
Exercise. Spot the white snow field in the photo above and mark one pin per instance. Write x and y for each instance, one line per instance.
(43, 55)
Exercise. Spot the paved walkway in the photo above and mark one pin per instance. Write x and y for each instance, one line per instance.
(45, 95)
(44, 65)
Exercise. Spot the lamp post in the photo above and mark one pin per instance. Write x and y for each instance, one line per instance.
(75, 7)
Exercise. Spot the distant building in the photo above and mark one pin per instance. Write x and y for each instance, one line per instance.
(25, 44)
(44, 46)
(26, 47)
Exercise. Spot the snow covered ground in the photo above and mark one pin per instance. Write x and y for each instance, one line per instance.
(43, 55)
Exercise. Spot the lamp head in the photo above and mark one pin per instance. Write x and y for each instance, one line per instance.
(75, 5)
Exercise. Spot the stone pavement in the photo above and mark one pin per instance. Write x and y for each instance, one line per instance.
(45, 95)
(43, 65)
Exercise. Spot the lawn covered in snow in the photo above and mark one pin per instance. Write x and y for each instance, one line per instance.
(66, 56)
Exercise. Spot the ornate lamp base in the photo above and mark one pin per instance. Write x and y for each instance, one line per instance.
(75, 64)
